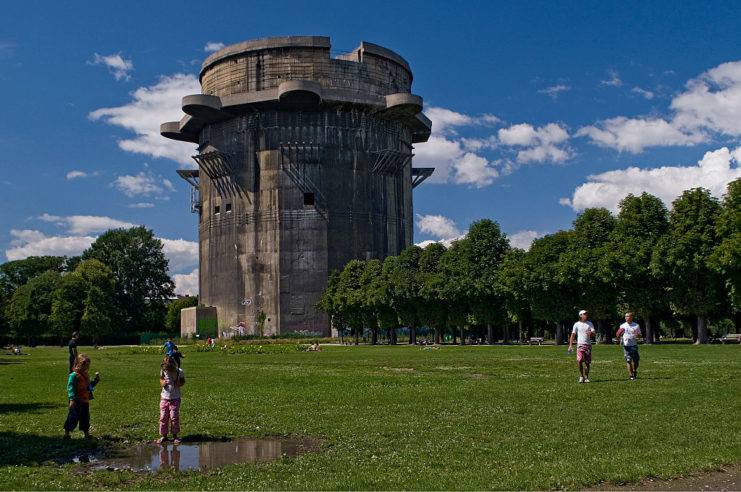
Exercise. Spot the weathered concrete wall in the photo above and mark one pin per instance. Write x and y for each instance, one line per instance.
(197, 319)
(304, 164)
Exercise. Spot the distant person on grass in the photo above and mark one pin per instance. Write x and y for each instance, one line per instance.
(171, 379)
(168, 347)
(177, 355)
(629, 331)
(583, 330)
(80, 392)
(72, 345)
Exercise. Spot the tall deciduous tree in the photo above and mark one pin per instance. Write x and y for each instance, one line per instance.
(726, 257)
(582, 268)
(172, 320)
(140, 271)
(549, 297)
(30, 306)
(510, 287)
(487, 247)
(681, 256)
(433, 312)
(349, 298)
(641, 223)
(329, 304)
(458, 291)
(406, 288)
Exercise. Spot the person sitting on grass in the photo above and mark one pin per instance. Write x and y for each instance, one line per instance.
(80, 391)
(171, 379)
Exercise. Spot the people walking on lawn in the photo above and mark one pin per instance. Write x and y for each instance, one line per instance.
(629, 331)
(72, 346)
(168, 347)
(80, 392)
(172, 378)
(583, 330)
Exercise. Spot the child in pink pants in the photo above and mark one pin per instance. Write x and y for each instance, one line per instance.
(171, 379)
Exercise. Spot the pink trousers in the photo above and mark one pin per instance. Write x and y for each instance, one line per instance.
(169, 414)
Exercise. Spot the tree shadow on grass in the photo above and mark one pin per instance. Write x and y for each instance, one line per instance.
(24, 407)
(32, 449)
(626, 380)
(10, 361)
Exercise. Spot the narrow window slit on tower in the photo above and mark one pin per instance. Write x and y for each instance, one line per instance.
(228, 207)
(217, 209)
(309, 199)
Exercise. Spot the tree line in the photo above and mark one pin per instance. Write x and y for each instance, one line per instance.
(118, 285)
(659, 264)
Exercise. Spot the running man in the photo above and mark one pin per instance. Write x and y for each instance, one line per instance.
(630, 330)
(583, 330)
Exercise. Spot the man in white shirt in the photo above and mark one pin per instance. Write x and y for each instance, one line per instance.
(583, 330)
(629, 331)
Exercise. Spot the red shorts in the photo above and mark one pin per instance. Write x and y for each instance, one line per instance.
(584, 353)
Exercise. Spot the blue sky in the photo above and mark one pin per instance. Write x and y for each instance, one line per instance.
(539, 109)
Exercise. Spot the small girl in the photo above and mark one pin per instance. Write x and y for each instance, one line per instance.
(80, 391)
(171, 379)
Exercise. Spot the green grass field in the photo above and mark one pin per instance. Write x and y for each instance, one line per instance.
(391, 417)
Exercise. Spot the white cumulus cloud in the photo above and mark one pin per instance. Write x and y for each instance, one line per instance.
(555, 90)
(647, 94)
(116, 64)
(76, 174)
(714, 171)
(34, 243)
(186, 283)
(212, 46)
(143, 184)
(84, 224)
(181, 253)
(149, 107)
(523, 239)
(710, 105)
(437, 225)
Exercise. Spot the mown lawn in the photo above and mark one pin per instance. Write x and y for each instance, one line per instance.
(391, 417)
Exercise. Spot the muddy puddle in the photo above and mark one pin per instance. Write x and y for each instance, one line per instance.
(201, 455)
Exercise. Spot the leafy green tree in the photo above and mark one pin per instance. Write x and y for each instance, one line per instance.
(487, 248)
(433, 312)
(374, 302)
(641, 223)
(172, 320)
(67, 305)
(30, 306)
(328, 304)
(406, 287)
(140, 271)
(15, 273)
(349, 296)
(582, 268)
(549, 297)
(510, 287)
(681, 256)
(726, 256)
(458, 290)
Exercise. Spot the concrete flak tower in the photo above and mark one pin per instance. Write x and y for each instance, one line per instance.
(304, 163)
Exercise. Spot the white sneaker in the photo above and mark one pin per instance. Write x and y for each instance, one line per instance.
(586, 380)
(581, 379)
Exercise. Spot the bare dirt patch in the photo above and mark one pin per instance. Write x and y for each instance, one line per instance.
(729, 478)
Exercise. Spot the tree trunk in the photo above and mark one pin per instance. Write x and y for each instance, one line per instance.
(374, 336)
(463, 337)
(657, 333)
(559, 333)
(412, 335)
(506, 334)
(455, 336)
(438, 331)
(392, 336)
(702, 330)
(357, 335)
(521, 335)
(695, 338)
(490, 333)
(649, 336)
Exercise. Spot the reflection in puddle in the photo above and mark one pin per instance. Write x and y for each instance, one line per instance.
(204, 455)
